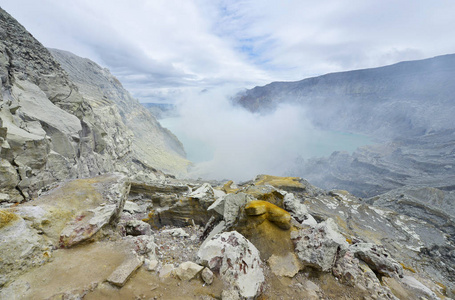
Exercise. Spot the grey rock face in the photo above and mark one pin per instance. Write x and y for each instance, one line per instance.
(354, 273)
(151, 144)
(377, 258)
(237, 261)
(318, 246)
(53, 129)
(423, 161)
(396, 100)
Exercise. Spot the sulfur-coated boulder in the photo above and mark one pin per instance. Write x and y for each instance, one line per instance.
(273, 213)
(266, 226)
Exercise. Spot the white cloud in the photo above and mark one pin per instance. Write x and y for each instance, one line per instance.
(160, 45)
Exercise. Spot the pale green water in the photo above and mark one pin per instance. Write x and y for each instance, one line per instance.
(307, 144)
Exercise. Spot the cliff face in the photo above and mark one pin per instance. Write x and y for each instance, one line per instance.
(50, 131)
(393, 101)
(152, 144)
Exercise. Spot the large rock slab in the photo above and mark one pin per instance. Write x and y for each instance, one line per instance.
(236, 260)
(20, 246)
(377, 258)
(77, 209)
(123, 272)
(318, 246)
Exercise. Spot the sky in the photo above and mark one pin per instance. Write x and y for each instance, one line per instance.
(161, 49)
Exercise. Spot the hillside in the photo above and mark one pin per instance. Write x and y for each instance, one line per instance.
(407, 109)
(152, 144)
(56, 127)
(85, 213)
(401, 100)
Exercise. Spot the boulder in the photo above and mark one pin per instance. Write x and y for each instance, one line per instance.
(188, 270)
(298, 210)
(205, 194)
(288, 265)
(137, 227)
(167, 271)
(377, 258)
(207, 276)
(236, 260)
(350, 271)
(230, 206)
(123, 272)
(318, 246)
(86, 225)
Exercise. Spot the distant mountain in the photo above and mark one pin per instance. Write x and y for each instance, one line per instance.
(407, 98)
(408, 107)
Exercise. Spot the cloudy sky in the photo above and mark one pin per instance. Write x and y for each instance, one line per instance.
(160, 48)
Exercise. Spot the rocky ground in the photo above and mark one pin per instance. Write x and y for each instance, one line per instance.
(271, 238)
(423, 161)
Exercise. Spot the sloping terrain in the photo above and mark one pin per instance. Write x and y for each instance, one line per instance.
(50, 131)
(401, 100)
(406, 108)
(152, 144)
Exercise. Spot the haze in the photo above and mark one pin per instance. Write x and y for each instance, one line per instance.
(172, 51)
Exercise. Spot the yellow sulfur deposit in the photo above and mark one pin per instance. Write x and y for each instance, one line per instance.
(6, 218)
(279, 182)
(274, 214)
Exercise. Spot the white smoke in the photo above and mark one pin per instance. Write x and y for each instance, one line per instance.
(235, 143)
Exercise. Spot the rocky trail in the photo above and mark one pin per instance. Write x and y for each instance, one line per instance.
(107, 237)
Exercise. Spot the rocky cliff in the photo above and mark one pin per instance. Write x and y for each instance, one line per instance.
(52, 129)
(152, 144)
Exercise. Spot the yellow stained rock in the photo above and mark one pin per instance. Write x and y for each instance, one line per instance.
(274, 214)
(268, 227)
(227, 187)
(6, 218)
(277, 181)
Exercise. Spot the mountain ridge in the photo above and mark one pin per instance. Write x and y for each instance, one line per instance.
(371, 101)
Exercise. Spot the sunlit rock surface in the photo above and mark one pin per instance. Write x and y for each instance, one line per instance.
(54, 128)
(349, 249)
(152, 145)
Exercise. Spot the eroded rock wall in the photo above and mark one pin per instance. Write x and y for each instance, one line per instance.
(49, 131)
